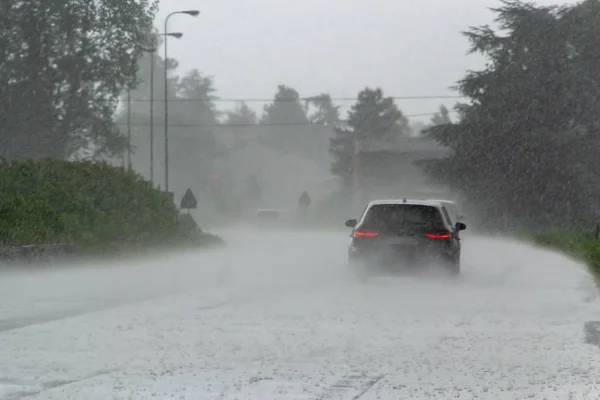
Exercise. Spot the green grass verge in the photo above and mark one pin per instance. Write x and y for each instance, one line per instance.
(188, 237)
(200, 241)
(578, 244)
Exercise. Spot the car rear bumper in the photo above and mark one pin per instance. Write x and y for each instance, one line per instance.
(408, 256)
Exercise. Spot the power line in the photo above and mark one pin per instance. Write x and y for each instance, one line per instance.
(272, 100)
(180, 125)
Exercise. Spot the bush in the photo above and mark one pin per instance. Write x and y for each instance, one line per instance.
(592, 257)
(100, 207)
(190, 234)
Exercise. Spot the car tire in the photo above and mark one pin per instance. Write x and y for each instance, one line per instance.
(453, 267)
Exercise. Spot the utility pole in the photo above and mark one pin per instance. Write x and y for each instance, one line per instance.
(355, 168)
(193, 13)
(153, 49)
(129, 127)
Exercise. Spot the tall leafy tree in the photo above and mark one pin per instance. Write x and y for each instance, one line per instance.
(196, 98)
(140, 104)
(374, 116)
(286, 108)
(442, 117)
(286, 125)
(195, 117)
(326, 111)
(241, 125)
(522, 146)
(62, 67)
(241, 115)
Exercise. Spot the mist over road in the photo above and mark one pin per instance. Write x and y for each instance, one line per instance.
(289, 322)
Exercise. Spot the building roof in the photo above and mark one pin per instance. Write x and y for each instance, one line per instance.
(402, 145)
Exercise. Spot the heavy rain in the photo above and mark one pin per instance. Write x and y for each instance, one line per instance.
(323, 200)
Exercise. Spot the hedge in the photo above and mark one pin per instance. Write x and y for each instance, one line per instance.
(100, 207)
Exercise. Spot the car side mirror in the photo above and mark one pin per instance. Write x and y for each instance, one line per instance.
(351, 223)
(460, 226)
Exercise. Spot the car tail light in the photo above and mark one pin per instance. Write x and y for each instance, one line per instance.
(365, 234)
(445, 235)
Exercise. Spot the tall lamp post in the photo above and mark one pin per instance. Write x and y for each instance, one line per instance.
(152, 50)
(129, 127)
(193, 13)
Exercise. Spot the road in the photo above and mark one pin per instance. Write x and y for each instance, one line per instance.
(289, 322)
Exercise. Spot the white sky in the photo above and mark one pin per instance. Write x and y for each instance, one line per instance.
(407, 47)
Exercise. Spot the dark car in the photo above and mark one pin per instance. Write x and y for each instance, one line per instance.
(266, 217)
(395, 235)
(452, 208)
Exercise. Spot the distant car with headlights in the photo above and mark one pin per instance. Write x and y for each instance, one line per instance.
(397, 235)
(266, 217)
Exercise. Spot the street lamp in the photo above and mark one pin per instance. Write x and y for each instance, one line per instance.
(152, 50)
(193, 13)
(129, 127)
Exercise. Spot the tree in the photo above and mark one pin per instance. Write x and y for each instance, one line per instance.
(141, 101)
(285, 109)
(194, 117)
(63, 66)
(326, 112)
(523, 146)
(373, 116)
(417, 128)
(241, 115)
(441, 118)
(196, 98)
(241, 125)
(286, 125)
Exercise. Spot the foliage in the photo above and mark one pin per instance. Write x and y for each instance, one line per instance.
(100, 207)
(63, 66)
(194, 147)
(525, 144)
(190, 235)
(285, 109)
(326, 112)
(373, 116)
(193, 116)
(577, 243)
(198, 94)
(287, 124)
(241, 124)
(442, 117)
(241, 115)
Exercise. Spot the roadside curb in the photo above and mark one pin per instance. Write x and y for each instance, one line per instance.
(37, 255)
(592, 332)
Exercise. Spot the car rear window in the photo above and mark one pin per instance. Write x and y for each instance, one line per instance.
(403, 217)
(447, 215)
(452, 208)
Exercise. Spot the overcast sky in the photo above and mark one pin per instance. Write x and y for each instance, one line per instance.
(407, 47)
